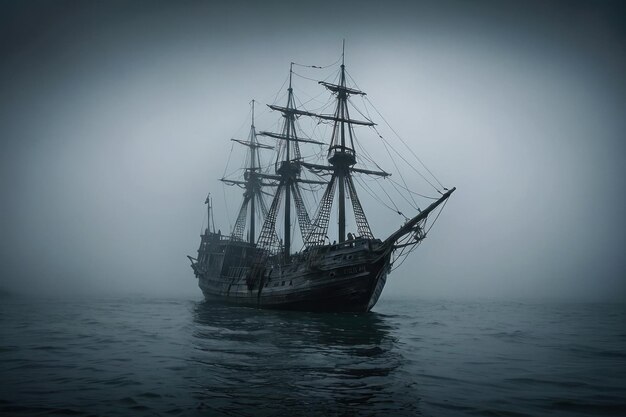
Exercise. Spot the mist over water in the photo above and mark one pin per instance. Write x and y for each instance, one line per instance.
(115, 121)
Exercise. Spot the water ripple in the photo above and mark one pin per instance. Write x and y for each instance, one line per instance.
(176, 357)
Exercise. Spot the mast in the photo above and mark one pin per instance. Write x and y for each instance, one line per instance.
(210, 222)
(252, 184)
(288, 167)
(289, 130)
(341, 171)
(253, 168)
(342, 158)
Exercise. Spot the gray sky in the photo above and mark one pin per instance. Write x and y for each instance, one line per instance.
(115, 119)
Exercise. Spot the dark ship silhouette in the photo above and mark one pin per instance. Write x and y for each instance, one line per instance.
(346, 275)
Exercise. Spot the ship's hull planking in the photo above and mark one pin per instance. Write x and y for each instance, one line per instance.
(346, 277)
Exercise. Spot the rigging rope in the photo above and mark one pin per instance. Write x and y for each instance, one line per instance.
(374, 196)
(281, 89)
(228, 160)
(436, 217)
(302, 76)
(407, 162)
(403, 142)
(401, 177)
(412, 192)
(366, 99)
(413, 247)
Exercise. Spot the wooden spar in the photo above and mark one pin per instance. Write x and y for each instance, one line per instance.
(332, 117)
(281, 136)
(369, 172)
(408, 226)
(341, 88)
(303, 181)
(233, 182)
(317, 167)
(253, 144)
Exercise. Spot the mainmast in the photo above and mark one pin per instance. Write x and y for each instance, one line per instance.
(288, 169)
(254, 165)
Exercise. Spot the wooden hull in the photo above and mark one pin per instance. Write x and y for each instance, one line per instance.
(347, 277)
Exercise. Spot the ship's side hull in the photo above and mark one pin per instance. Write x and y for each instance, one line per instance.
(346, 277)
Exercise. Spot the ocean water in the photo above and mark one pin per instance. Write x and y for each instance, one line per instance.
(159, 357)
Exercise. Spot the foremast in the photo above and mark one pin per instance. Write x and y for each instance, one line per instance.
(342, 159)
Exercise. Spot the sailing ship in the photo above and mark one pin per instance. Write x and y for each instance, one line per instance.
(262, 270)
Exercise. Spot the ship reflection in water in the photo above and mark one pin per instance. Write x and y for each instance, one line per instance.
(146, 357)
(263, 362)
